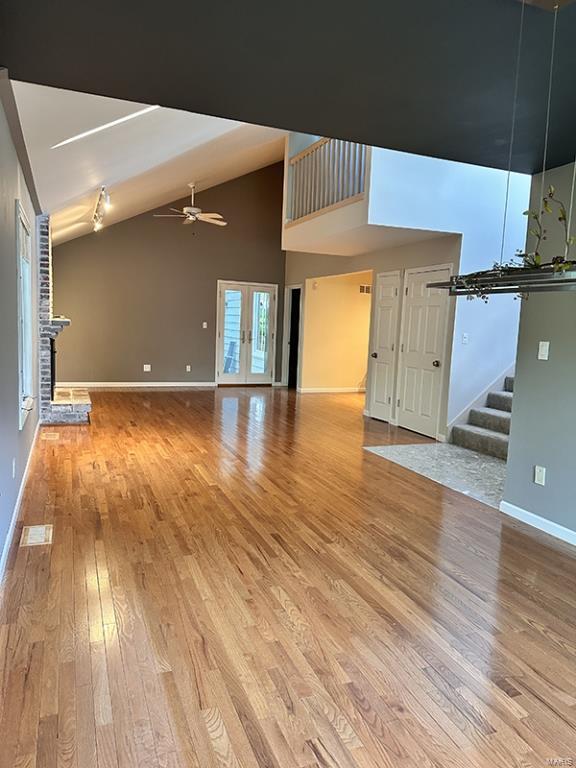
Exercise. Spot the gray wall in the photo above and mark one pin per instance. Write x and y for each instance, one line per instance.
(544, 416)
(14, 443)
(138, 291)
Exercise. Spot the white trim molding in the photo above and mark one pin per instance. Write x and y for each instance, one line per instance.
(133, 384)
(541, 523)
(17, 505)
(328, 390)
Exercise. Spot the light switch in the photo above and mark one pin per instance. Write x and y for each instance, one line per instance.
(540, 475)
(147, 368)
(204, 324)
(543, 350)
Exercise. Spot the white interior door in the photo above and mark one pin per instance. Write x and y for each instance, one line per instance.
(422, 350)
(246, 333)
(383, 354)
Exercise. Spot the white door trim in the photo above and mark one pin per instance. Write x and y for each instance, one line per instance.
(286, 330)
(373, 340)
(445, 382)
(273, 318)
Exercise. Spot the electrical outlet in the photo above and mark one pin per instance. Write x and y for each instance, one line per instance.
(539, 475)
(188, 368)
(204, 324)
(543, 350)
(465, 338)
(13, 469)
(147, 367)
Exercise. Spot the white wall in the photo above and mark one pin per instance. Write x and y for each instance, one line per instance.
(428, 193)
(335, 332)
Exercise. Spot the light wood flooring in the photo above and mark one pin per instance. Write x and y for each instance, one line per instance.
(233, 581)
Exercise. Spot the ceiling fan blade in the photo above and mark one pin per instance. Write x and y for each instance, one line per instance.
(168, 216)
(176, 210)
(210, 215)
(214, 221)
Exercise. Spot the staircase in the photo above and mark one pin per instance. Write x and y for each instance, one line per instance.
(488, 428)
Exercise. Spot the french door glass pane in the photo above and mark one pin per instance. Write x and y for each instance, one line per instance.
(232, 330)
(260, 331)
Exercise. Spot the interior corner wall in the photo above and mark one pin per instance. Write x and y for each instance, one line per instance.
(139, 291)
(15, 443)
(438, 250)
(543, 415)
(335, 332)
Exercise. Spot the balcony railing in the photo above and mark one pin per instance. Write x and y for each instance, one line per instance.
(327, 174)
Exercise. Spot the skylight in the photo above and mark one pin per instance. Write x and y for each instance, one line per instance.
(104, 127)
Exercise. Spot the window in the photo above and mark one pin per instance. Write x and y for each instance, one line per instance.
(25, 352)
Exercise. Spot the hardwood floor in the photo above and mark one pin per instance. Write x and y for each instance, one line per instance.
(233, 581)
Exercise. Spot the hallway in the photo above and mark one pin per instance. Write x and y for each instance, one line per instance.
(234, 581)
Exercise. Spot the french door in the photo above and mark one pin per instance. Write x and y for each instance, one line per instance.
(246, 333)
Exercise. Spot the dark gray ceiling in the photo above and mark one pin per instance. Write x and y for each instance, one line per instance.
(433, 77)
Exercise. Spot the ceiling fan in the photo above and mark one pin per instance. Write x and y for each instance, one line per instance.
(191, 213)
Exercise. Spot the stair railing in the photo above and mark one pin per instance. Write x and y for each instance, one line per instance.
(328, 173)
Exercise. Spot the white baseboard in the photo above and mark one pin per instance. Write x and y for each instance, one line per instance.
(441, 438)
(133, 384)
(328, 390)
(541, 523)
(16, 511)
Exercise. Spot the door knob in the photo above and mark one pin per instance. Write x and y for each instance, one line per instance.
(436, 363)
(374, 354)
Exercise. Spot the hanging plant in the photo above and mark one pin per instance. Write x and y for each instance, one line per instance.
(482, 284)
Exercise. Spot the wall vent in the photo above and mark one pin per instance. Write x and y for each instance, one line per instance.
(365, 289)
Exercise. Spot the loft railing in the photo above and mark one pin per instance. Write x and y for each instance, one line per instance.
(329, 173)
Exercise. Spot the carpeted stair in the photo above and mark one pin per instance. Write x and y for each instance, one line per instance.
(488, 428)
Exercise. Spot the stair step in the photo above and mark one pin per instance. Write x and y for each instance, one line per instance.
(502, 401)
(490, 418)
(481, 440)
(509, 384)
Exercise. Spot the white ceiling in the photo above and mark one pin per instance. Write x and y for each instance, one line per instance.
(144, 163)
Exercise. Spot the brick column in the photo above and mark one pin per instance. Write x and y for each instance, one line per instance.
(65, 411)
(45, 314)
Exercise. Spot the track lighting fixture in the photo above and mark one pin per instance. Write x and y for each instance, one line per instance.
(103, 204)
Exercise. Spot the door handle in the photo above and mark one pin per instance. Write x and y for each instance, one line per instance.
(436, 363)
(243, 336)
(374, 354)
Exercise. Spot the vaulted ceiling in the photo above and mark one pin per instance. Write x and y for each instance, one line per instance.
(433, 77)
(144, 162)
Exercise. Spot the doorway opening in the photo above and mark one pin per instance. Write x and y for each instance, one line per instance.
(334, 332)
(295, 295)
(246, 340)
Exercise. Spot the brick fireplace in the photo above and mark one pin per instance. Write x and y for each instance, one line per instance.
(56, 406)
